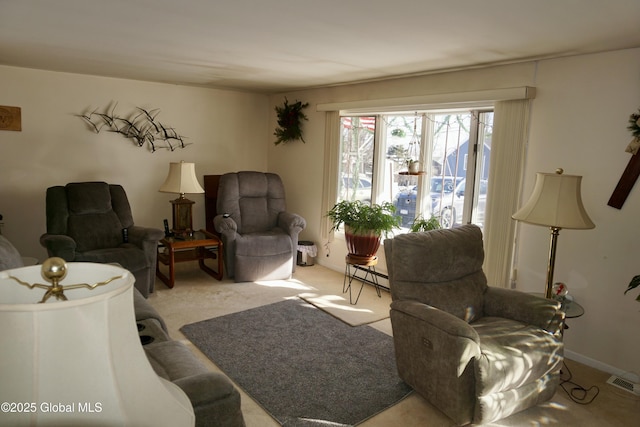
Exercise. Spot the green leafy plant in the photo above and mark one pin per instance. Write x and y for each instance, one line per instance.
(290, 117)
(635, 282)
(421, 224)
(362, 218)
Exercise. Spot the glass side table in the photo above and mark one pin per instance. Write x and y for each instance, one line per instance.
(571, 308)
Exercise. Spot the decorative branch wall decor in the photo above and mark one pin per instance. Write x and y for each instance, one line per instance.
(140, 126)
(290, 121)
(632, 171)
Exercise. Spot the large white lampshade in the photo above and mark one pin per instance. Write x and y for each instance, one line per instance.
(79, 362)
(556, 202)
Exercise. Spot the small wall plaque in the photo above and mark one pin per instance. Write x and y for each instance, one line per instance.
(10, 118)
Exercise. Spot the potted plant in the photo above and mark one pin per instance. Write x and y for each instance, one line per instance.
(363, 225)
(413, 166)
(421, 224)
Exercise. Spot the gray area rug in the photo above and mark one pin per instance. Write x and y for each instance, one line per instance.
(301, 364)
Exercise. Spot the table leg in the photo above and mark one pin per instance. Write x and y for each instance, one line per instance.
(207, 269)
(169, 281)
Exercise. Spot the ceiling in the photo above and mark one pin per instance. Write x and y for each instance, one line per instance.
(279, 45)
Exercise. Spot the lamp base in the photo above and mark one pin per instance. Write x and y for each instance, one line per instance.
(553, 244)
(182, 217)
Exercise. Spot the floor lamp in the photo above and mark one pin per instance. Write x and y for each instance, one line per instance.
(556, 202)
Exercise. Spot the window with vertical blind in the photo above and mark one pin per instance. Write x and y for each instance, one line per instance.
(501, 117)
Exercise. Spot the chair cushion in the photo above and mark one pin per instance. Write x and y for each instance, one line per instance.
(513, 355)
(88, 197)
(263, 256)
(264, 244)
(253, 199)
(451, 278)
(95, 231)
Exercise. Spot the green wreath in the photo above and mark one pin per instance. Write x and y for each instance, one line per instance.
(290, 118)
(634, 124)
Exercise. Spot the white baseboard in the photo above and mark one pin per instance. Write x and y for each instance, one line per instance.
(630, 376)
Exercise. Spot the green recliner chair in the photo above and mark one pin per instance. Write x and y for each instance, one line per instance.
(476, 352)
(86, 223)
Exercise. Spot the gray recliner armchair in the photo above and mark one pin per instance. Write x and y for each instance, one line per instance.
(259, 237)
(85, 222)
(477, 353)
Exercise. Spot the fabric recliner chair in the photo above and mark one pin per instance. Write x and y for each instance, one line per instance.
(477, 353)
(85, 222)
(260, 238)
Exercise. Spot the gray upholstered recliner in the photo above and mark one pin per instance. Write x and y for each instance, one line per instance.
(477, 353)
(85, 223)
(260, 238)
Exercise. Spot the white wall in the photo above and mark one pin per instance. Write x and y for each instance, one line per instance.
(578, 122)
(226, 131)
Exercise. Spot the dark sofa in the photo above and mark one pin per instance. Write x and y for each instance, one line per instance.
(215, 400)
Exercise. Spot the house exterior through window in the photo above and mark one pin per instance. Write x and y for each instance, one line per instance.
(451, 150)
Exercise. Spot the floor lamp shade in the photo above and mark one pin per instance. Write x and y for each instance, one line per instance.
(556, 202)
(80, 361)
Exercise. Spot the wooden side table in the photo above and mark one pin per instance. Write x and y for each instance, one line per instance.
(202, 245)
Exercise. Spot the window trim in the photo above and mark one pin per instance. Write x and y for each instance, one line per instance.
(500, 238)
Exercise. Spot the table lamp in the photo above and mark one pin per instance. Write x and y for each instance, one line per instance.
(182, 179)
(556, 202)
(71, 354)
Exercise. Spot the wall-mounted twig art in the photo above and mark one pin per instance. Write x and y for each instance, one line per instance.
(140, 126)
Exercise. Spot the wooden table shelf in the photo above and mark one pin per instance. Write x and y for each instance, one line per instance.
(203, 245)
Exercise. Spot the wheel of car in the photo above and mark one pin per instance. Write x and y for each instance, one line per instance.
(448, 217)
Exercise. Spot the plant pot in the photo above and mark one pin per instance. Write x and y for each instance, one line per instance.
(362, 246)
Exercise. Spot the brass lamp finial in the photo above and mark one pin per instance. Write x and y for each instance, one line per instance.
(54, 270)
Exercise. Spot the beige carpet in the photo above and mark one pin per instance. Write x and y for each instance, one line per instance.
(329, 298)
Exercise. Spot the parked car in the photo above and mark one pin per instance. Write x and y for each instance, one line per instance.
(355, 189)
(450, 208)
(405, 202)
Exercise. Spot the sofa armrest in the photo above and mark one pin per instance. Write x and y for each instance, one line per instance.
(291, 223)
(205, 388)
(59, 245)
(138, 235)
(225, 226)
(526, 308)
